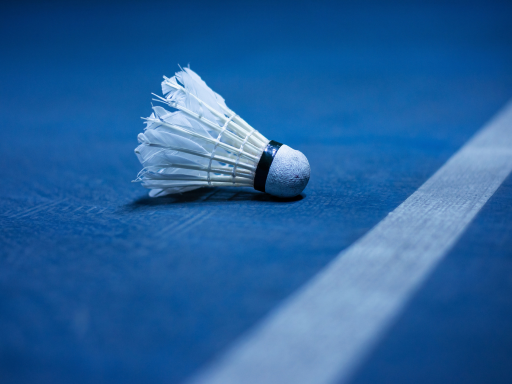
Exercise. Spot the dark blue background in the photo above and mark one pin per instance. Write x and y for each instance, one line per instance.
(99, 283)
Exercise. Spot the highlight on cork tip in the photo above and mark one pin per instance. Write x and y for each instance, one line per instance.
(203, 143)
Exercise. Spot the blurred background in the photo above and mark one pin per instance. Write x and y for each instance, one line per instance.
(99, 283)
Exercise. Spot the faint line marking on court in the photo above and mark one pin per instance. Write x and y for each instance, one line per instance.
(59, 206)
(198, 219)
(37, 209)
(181, 227)
(323, 332)
(175, 223)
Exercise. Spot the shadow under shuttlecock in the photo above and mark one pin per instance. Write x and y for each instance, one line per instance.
(214, 194)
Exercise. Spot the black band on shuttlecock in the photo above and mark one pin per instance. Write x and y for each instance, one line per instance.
(267, 157)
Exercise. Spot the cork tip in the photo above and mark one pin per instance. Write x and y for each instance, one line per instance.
(289, 173)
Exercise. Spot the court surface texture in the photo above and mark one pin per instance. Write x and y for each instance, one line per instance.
(393, 266)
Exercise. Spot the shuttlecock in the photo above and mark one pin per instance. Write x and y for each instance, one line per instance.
(203, 143)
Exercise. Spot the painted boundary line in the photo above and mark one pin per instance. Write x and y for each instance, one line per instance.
(322, 333)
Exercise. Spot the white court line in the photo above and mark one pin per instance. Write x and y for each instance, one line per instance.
(324, 331)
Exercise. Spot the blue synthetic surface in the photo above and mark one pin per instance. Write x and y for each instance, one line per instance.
(99, 283)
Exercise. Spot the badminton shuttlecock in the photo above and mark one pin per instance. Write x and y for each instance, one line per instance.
(203, 143)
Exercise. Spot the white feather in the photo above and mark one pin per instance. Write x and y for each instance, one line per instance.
(199, 144)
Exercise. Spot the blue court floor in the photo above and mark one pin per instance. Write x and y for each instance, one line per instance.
(101, 284)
